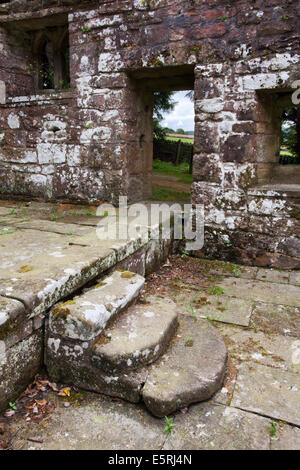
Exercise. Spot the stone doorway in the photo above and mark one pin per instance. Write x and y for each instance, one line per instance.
(147, 83)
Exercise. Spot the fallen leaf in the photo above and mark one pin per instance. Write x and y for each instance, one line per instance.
(35, 439)
(41, 402)
(4, 444)
(9, 413)
(30, 407)
(64, 392)
(53, 386)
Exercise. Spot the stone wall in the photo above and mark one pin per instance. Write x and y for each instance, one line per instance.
(250, 218)
(94, 141)
(22, 327)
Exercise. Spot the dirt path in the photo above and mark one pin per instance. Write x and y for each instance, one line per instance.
(170, 182)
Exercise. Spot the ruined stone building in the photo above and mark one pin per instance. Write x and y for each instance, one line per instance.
(76, 89)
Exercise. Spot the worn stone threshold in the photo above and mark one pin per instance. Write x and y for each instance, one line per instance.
(291, 190)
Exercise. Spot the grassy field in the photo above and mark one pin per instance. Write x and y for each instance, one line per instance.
(284, 152)
(167, 168)
(163, 194)
(188, 141)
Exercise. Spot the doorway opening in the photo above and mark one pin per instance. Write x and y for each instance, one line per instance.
(173, 145)
(162, 133)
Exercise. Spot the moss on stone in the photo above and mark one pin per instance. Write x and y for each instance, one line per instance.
(25, 269)
(61, 310)
(127, 274)
(100, 284)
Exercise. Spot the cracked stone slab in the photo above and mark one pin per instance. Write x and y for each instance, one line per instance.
(215, 427)
(286, 438)
(277, 318)
(54, 227)
(282, 294)
(192, 370)
(273, 275)
(40, 268)
(122, 247)
(226, 309)
(85, 316)
(268, 392)
(267, 349)
(138, 337)
(295, 278)
(8, 223)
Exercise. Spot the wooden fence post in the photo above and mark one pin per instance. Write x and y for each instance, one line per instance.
(178, 153)
(191, 161)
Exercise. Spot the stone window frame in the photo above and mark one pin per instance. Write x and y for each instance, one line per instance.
(58, 37)
(236, 106)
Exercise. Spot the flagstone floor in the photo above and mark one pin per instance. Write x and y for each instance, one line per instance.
(257, 312)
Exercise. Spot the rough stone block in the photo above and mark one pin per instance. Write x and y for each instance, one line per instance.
(85, 316)
(170, 386)
(18, 366)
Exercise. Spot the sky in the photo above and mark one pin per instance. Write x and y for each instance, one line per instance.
(183, 114)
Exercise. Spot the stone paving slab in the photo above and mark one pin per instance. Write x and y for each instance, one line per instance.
(98, 424)
(282, 294)
(276, 318)
(9, 221)
(286, 438)
(226, 309)
(4, 211)
(22, 246)
(268, 392)
(211, 427)
(226, 269)
(53, 227)
(295, 278)
(273, 275)
(40, 268)
(247, 345)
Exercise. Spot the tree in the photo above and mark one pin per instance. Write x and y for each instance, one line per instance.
(163, 103)
(191, 95)
(180, 131)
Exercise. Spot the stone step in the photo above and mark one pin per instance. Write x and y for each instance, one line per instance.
(85, 316)
(191, 371)
(141, 355)
(139, 337)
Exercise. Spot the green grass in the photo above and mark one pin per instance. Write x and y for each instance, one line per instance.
(286, 152)
(168, 168)
(162, 194)
(187, 141)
